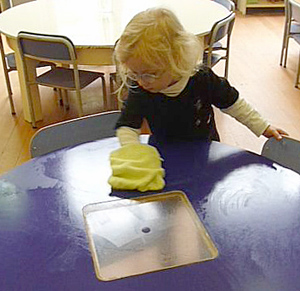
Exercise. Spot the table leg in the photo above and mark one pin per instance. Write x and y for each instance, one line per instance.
(31, 70)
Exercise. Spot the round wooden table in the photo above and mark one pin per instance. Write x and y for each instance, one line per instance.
(93, 26)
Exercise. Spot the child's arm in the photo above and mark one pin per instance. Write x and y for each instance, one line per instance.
(247, 115)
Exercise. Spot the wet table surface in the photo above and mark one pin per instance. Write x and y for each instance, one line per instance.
(248, 205)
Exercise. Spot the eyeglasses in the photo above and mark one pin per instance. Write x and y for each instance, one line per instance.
(147, 78)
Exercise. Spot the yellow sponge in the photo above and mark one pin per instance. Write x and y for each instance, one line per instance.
(136, 167)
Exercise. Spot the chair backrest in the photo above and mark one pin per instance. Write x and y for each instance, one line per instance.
(48, 48)
(228, 4)
(73, 132)
(6, 4)
(287, 12)
(18, 2)
(221, 29)
(285, 152)
(294, 10)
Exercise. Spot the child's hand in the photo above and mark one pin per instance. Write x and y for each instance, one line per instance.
(271, 131)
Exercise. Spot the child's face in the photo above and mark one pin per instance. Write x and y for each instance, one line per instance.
(149, 77)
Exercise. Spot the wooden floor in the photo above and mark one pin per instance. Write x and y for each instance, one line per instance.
(254, 71)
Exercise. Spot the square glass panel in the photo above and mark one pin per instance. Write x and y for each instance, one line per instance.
(134, 236)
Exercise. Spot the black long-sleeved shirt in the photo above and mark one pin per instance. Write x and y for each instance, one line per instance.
(187, 116)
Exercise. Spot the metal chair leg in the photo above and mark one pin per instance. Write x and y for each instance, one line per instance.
(6, 76)
(283, 48)
(298, 73)
(104, 92)
(65, 98)
(113, 95)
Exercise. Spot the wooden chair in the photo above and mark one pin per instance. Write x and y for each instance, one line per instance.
(285, 152)
(73, 132)
(221, 30)
(57, 50)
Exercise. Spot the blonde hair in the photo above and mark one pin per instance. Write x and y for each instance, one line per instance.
(157, 38)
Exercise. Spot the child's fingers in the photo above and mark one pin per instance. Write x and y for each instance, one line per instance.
(281, 131)
(274, 132)
(277, 135)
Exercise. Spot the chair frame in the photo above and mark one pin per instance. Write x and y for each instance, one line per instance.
(73, 132)
(69, 60)
(113, 93)
(4, 4)
(220, 30)
(291, 30)
(228, 4)
(295, 14)
(6, 70)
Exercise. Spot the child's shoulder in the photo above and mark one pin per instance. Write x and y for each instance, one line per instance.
(204, 74)
(202, 70)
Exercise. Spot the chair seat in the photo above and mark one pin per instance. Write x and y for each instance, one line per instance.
(11, 62)
(218, 46)
(295, 27)
(59, 77)
(215, 58)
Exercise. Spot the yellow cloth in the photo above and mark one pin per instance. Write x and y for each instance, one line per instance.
(136, 167)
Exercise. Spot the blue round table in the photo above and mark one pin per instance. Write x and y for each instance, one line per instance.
(249, 206)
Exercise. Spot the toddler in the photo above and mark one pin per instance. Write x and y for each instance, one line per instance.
(160, 63)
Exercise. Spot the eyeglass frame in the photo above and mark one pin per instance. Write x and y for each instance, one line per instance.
(135, 77)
